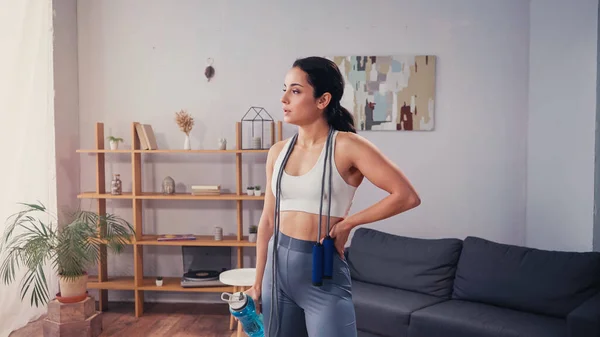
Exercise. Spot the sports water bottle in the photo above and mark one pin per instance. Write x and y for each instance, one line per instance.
(242, 307)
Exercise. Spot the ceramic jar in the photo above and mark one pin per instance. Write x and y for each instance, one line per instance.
(116, 185)
(222, 144)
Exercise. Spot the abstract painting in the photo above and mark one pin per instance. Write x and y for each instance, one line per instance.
(389, 92)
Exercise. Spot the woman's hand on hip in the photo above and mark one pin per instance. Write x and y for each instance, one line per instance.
(339, 233)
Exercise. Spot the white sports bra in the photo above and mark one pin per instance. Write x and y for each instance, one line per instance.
(302, 193)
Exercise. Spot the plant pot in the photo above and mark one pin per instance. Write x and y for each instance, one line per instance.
(252, 237)
(257, 193)
(73, 287)
(250, 192)
(159, 283)
(114, 145)
(73, 299)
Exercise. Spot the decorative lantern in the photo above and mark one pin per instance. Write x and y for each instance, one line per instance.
(258, 129)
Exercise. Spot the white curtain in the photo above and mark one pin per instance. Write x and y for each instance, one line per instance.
(28, 170)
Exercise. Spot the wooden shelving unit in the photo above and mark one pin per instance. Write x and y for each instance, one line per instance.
(139, 283)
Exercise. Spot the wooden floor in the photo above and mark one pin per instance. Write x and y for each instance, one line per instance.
(159, 319)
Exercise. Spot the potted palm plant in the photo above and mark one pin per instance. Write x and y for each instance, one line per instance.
(30, 240)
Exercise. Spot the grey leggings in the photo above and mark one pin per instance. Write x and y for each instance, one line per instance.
(304, 309)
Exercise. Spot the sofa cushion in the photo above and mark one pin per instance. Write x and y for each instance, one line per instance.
(457, 318)
(545, 282)
(361, 333)
(422, 265)
(386, 311)
(585, 319)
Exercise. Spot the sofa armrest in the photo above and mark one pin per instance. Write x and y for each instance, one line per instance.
(584, 321)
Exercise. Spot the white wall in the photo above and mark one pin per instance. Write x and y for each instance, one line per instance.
(27, 143)
(144, 60)
(66, 103)
(561, 126)
(596, 240)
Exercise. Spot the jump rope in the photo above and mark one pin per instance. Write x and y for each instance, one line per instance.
(322, 252)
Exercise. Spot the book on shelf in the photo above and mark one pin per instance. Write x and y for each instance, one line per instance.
(146, 136)
(206, 189)
(176, 237)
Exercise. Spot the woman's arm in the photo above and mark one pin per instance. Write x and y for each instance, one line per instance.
(384, 174)
(265, 225)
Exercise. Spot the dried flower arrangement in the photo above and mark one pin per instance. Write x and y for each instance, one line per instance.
(185, 121)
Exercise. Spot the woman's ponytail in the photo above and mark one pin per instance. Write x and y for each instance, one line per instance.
(340, 118)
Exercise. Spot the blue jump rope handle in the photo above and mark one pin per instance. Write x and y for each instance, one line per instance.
(317, 272)
(328, 251)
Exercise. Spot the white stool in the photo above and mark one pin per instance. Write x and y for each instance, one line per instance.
(240, 279)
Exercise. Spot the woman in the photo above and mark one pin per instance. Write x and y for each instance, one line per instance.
(296, 184)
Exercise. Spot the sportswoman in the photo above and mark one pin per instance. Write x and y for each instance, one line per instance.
(325, 155)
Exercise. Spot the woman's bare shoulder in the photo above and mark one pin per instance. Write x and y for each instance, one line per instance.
(359, 150)
(278, 146)
(275, 150)
(350, 142)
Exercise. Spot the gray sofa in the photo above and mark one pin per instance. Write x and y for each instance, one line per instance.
(470, 288)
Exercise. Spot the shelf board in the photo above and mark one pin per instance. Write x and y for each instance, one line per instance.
(176, 196)
(174, 284)
(189, 196)
(169, 284)
(171, 151)
(113, 283)
(94, 195)
(202, 151)
(201, 240)
(102, 151)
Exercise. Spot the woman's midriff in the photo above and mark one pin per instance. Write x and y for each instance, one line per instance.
(304, 226)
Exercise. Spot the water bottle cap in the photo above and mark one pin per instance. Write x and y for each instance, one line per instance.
(236, 300)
